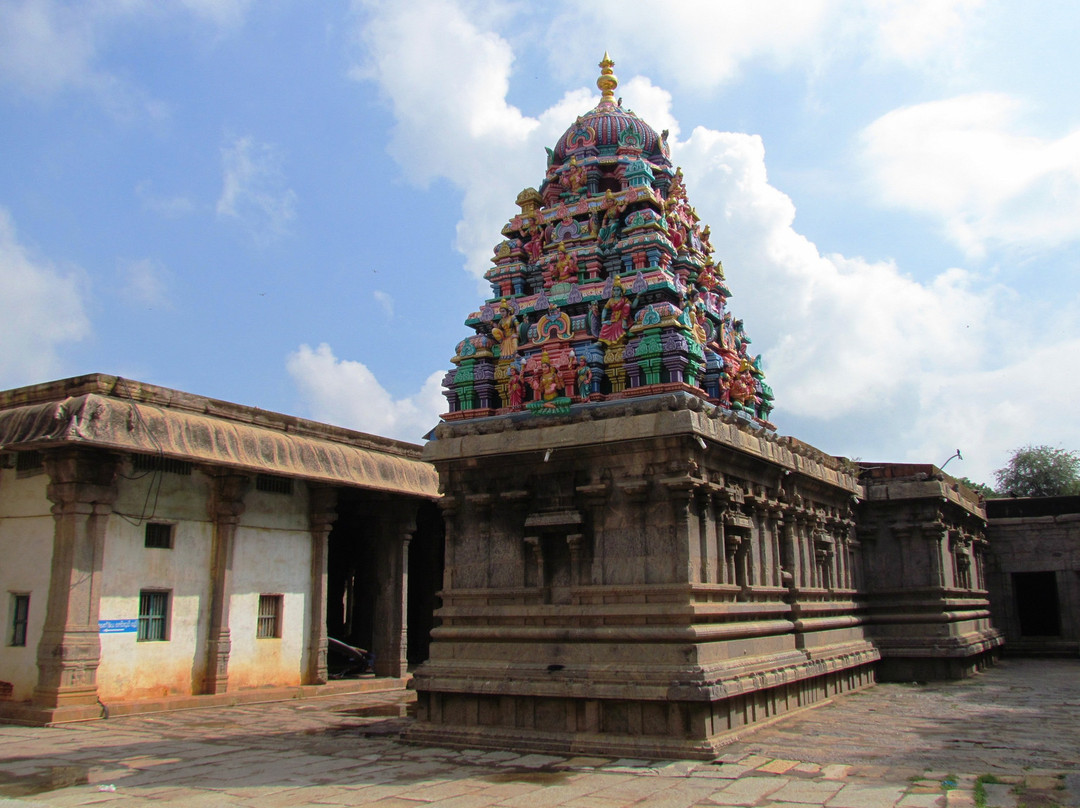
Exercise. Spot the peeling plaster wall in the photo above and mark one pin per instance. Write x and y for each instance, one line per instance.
(26, 545)
(130, 669)
(272, 557)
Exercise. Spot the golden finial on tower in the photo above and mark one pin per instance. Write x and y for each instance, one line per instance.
(607, 81)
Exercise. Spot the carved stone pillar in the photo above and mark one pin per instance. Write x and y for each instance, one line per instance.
(573, 540)
(935, 534)
(226, 506)
(687, 544)
(321, 517)
(449, 507)
(790, 553)
(390, 642)
(532, 543)
(82, 488)
(719, 512)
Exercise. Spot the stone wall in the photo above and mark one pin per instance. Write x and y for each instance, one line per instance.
(1034, 573)
(925, 546)
(637, 578)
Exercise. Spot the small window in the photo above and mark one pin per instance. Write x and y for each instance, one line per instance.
(159, 535)
(27, 464)
(158, 463)
(153, 616)
(273, 484)
(20, 613)
(269, 617)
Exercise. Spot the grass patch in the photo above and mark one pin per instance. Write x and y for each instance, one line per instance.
(980, 788)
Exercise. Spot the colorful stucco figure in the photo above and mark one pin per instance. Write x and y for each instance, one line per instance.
(607, 267)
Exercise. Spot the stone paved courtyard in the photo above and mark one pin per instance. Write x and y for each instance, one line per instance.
(1009, 738)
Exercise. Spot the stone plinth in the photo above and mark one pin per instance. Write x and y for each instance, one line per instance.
(924, 540)
(637, 578)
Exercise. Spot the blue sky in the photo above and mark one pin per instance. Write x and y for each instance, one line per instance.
(290, 205)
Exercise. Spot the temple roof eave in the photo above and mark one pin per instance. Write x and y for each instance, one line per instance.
(114, 424)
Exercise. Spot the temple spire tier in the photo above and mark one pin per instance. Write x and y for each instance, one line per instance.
(605, 286)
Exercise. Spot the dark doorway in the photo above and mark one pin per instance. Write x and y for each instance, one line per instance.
(353, 565)
(1037, 604)
(351, 584)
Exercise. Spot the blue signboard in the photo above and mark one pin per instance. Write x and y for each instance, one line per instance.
(118, 626)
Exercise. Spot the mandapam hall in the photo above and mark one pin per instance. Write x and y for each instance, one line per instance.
(607, 547)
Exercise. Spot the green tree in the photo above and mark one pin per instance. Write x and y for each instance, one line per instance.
(1039, 471)
(982, 489)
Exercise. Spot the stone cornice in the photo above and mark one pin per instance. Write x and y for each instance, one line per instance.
(104, 412)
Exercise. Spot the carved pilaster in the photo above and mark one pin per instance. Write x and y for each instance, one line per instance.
(532, 547)
(935, 534)
(573, 541)
(226, 506)
(390, 641)
(82, 488)
(594, 498)
(680, 491)
(449, 507)
(322, 514)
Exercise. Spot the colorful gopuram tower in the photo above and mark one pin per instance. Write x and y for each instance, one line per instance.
(636, 564)
(605, 287)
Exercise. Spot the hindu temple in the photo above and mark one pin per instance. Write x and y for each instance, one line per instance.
(636, 563)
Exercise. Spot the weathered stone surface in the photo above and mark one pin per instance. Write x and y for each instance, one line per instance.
(924, 573)
(662, 580)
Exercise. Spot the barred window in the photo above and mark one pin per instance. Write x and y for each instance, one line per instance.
(20, 614)
(159, 535)
(27, 464)
(273, 483)
(153, 616)
(269, 625)
(141, 462)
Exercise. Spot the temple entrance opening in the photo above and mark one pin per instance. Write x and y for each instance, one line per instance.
(377, 547)
(1037, 604)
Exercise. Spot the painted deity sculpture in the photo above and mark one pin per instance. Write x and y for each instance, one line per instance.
(506, 332)
(605, 286)
(615, 320)
(515, 388)
(584, 378)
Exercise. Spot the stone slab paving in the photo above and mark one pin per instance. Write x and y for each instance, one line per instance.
(1008, 738)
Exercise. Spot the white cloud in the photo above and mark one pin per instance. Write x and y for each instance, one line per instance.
(145, 282)
(990, 411)
(446, 81)
(385, 301)
(712, 44)
(915, 32)
(864, 354)
(50, 46)
(47, 46)
(842, 335)
(254, 190)
(346, 393)
(42, 308)
(222, 13)
(170, 207)
(967, 161)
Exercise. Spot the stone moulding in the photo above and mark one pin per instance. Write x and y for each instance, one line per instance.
(124, 417)
(655, 585)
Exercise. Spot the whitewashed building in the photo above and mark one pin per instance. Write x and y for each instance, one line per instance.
(160, 548)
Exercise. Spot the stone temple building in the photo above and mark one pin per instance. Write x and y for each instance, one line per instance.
(605, 548)
(162, 550)
(636, 563)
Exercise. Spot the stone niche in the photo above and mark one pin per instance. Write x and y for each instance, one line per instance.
(641, 578)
